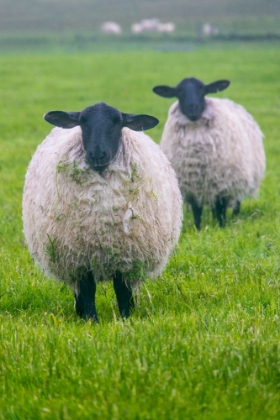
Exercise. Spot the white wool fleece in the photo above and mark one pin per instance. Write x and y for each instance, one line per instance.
(220, 154)
(127, 219)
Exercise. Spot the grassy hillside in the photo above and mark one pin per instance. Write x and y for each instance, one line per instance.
(203, 342)
(46, 15)
(67, 25)
(26, 17)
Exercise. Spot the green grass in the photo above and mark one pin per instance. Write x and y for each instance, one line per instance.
(62, 16)
(203, 342)
(71, 26)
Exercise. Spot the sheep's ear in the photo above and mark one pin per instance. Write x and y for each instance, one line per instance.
(165, 91)
(139, 122)
(63, 119)
(216, 86)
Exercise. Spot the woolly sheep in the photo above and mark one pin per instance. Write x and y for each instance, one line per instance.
(101, 201)
(209, 30)
(152, 25)
(166, 27)
(111, 28)
(215, 147)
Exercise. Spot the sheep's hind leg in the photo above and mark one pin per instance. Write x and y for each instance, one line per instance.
(85, 297)
(220, 210)
(124, 295)
(197, 213)
(236, 208)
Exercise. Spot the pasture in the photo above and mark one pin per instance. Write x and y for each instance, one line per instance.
(67, 25)
(203, 342)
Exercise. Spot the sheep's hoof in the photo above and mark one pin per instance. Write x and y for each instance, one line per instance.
(85, 297)
(85, 310)
(124, 296)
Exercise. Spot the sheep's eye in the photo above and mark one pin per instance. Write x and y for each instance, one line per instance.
(180, 92)
(115, 120)
(113, 128)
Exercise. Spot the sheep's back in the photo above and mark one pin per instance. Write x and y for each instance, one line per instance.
(222, 153)
(126, 219)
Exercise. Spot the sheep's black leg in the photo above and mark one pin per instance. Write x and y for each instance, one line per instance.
(123, 294)
(197, 213)
(236, 208)
(220, 210)
(214, 214)
(85, 297)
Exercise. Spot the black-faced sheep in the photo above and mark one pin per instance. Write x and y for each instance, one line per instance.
(215, 147)
(101, 201)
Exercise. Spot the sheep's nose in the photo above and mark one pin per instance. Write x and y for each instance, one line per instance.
(97, 156)
(193, 112)
(98, 160)
(193, 107)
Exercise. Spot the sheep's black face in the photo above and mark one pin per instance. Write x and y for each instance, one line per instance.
(101, 127)
(101, 130)
(191, 95)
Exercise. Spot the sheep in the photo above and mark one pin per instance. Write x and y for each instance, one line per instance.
(152, 25)
(210, 30)
(101, 201)
(166, 27)
(149, 25)
(111, 28)
(215, 147)
(136, 28)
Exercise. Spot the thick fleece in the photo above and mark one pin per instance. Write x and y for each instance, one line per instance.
(221, 154)
(126, 219)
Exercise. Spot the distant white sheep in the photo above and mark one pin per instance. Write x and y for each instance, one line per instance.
(210, 30)
(136, 28)
(149, 25)
(215, 147)
(111, 28)
(152, 25)
(101, 201)
(166, 27)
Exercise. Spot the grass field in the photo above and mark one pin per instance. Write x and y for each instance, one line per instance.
(203, 342)
(68, 25)
(64, 16)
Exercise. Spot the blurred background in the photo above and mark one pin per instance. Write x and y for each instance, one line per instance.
(72, 25)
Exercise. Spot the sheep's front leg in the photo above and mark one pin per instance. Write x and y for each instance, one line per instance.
(197, 213)
(85, 297)
(123, 294)
(236, 208)
(220, 210)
